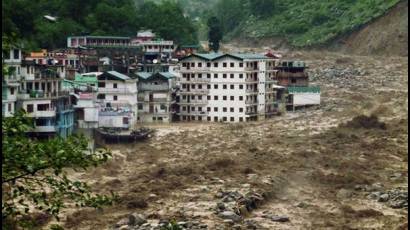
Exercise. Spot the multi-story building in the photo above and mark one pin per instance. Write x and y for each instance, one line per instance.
(156, 97)
(228, 87)
(10, 82)
(42, 96)
(117, 100)
(293, 75)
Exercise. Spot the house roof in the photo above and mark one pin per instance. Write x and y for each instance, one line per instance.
(114, 74)
(215, 56)
(148, 75)
(305, 89)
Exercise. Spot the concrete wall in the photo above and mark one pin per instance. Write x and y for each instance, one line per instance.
(306, 99)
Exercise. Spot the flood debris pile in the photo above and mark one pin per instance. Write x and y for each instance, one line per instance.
(396, 198)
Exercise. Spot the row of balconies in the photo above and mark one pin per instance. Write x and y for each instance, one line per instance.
(116, 90)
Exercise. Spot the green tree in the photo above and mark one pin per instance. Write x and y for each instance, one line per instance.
(215, 33)
(262, 8)
(34, 171)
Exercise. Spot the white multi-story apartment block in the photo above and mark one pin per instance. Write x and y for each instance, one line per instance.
(10, 82)
(117, 96)
(228, 87)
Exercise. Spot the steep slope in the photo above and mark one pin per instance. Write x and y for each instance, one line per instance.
(387, 35)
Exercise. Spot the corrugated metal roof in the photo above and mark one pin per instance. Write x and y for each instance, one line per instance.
(249, 56)
(241, 56)
(147, 75)
(118, 75)
(305, 89)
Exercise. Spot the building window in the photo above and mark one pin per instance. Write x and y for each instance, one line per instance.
(241, 110)
(232, 86)
(232, 119)
(240, 86)
(208, 86)
(241, 64)
(232, 98)
(101, 96)
(232, 64)
(215, 86)
(208, 76)
(115, 97)
(216, 64)
(208, 109)
(293, 81)
(199, 97)
(193, 97)
(200, 75)
(215, 75)
(125, 120)
(241, 98)
(208, 97)
(232, 110)
(215, 98)
(101, 84)
(208, 64)
(225, 64)
(115, 85)
(232, 75)
(30, 108)
(183, 108)
(208, 118)
(199, 86)
(193, 109)
(224, 87)
(193, 86)
(199, 64)
(184, 64)
(215, 119)
(215, 109)
(224, 75)
(9, 105)
(241, 76)
(224, 98)
(200, 109)
(140, 106)
(240, 119)
(11, 91)
(16, 54)
(224, 109)
(224, 119)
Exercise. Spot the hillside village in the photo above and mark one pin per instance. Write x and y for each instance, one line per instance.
(299, 121)
(123, 83)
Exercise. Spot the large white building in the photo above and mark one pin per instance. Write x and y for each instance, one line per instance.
(117, 99)
(228, 87)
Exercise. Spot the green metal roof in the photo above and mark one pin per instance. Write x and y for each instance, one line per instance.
(116, 75)
(148, 75)
(85, 79)
(306, 89)
(214, 56)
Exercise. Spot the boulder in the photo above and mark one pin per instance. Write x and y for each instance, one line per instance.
(136, 219)
(228, 215)
(280, 218)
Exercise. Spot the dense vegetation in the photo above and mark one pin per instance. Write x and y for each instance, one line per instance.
(25, 19)
(303, 23)
(33, 173)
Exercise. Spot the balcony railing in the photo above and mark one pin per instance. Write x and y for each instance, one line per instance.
(45, 129)
(114, 90)
(40, 94)
(250, 113)
(194, 69)
(194, 113)
(251, 102)
(251, 80)
(45, 113)
(253, 91)
(194, 102)
(196, 91)
(195, 80)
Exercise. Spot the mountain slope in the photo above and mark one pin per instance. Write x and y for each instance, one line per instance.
(310, 23)
(387, 35)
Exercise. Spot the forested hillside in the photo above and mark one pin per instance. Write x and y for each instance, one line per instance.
(302, 23)
(25, 19)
